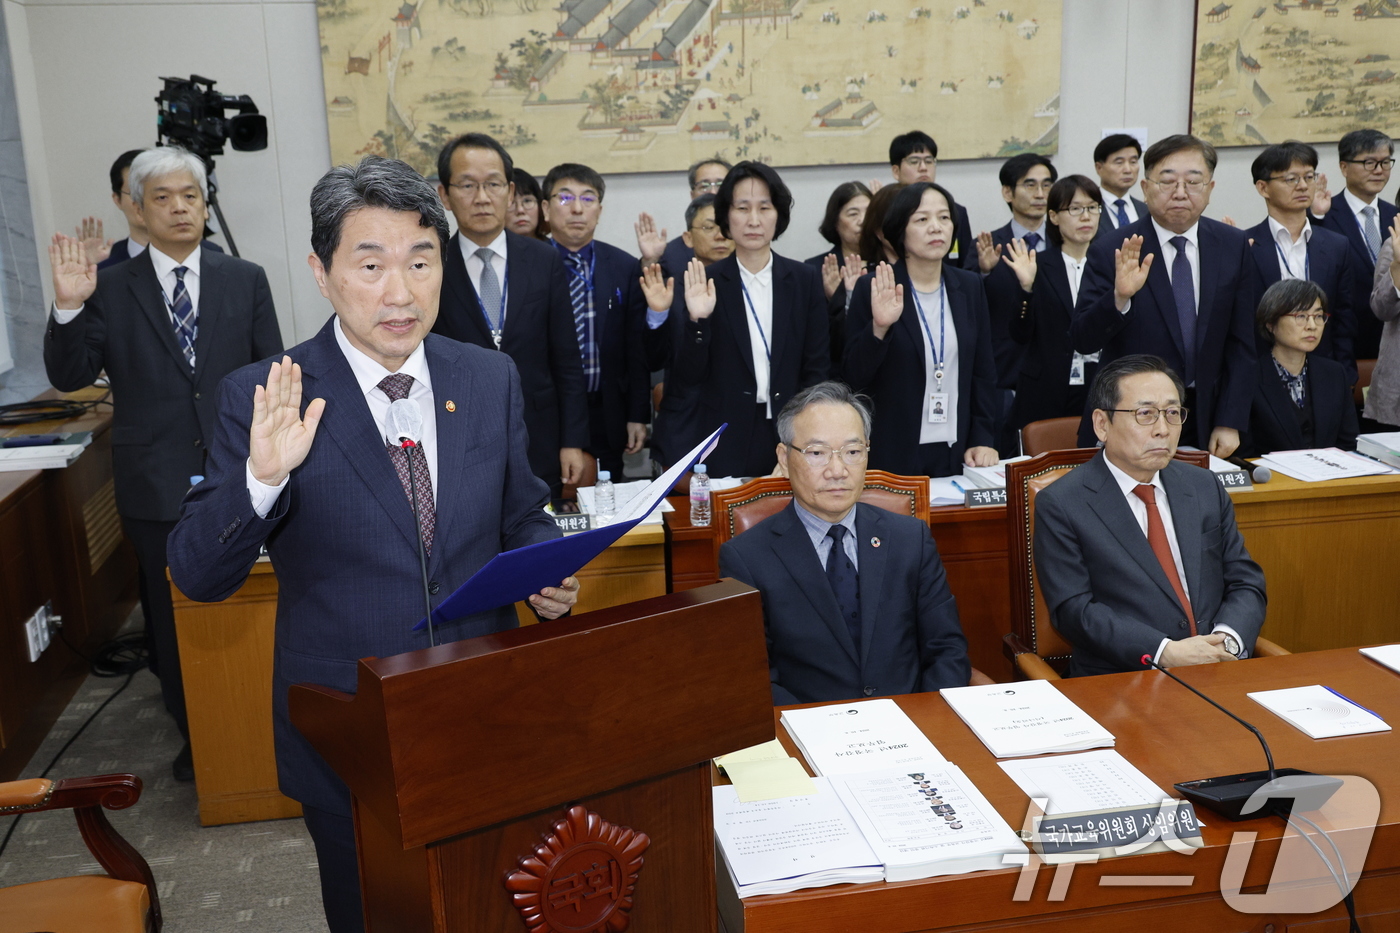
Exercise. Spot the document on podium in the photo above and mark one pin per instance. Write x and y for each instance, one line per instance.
(515, 575)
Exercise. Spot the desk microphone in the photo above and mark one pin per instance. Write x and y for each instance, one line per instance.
(1257, 471)
(1228, 794)
(405, 425)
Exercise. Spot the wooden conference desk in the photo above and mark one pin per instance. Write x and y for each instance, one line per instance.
(226, 657)
(1330, 553)
(1172, 736)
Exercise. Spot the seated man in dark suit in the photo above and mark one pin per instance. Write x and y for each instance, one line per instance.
(1116, 159)
(1138, 554)
(1287, 246)
(879, 619)
(605, 291)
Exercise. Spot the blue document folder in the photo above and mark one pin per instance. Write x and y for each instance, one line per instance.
(515, 575)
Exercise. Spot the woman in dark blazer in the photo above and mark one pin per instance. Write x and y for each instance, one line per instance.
(918, 341)
(755, 331)
(841, 265)
(1035, 294)
(1301, 400)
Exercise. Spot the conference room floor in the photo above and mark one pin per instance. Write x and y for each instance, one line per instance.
(210, 879)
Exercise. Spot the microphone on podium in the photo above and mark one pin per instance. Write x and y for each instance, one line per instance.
(1229, 794)
(1258, 473)
(404, 426)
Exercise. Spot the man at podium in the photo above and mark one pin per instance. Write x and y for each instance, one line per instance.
(325, 484)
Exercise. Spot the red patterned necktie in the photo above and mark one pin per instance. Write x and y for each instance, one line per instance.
(396, 386)
(1157, 538)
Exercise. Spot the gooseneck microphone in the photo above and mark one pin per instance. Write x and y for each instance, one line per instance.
(1287, 788)
(1258, 473)
(404, 426)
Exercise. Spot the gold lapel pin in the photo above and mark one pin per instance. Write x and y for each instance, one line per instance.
(874, 542)
(451, 405)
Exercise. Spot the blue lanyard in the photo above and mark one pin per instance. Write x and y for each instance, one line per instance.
(587, 275)
(757, 323)
(1307, 261)
(938, 355)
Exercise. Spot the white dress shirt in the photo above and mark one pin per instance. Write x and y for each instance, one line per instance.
(759, 302)
(931, 302)
(165, 275)
(1074, 269)
(1293, 256)
(1139, 509)
(1168, 256)
(475, 263)
(368, 375)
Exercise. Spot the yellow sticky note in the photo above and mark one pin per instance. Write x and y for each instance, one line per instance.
(768, 751)
(769, 779)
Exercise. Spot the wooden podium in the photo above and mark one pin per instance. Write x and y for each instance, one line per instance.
(569, 761)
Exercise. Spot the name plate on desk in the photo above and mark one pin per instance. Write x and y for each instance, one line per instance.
(571, 523)
(977, 498)
(1235, 479)
(1120, 831)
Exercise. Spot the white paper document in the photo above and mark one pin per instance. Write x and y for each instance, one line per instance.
(946, 490)
(777, 846)
(1100, 780)
(1389, 655)
(1026, 718)
(1319, 711)
(1315, 466)
(861, 736)
(928, 822)
(992, 477)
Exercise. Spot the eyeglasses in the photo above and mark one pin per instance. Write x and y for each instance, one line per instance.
(1372, 164)
(494, 188)
(564, 199)
(1081, 210)
(819, 455)
(526, 203)
(1293, 181)
(706, 228)
(1168, 185)
(707, 185)
(1149, 416)
(920, 161)
(1305, 318)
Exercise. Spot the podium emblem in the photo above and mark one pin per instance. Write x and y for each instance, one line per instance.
(580, 878)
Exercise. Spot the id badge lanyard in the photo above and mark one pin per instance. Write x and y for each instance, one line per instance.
(1307, 262)
(499, 329)
(939, 349)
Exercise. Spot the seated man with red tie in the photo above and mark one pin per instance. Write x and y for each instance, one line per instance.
(1137, 553)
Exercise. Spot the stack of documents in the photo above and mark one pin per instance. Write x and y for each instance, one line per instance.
(1383, 447)
(946, 490)
(1319, 711)
(1315, 466)
(1089, 781)
(777, 846)
(992, 477)
(1026, 718)
(1389, 655)
(867, 735)
(44, 456)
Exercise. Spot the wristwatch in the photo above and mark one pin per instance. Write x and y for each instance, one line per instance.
(1232, 644)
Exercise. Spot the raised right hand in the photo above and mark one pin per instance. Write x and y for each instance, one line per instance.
(831, 275)
(650, 243)
(987, 253)
(1198, 649)
(281, 436)
(90, 232)
(658, 289)
(699, 291)
(1021, 259)
(1322, 198)
(886, 300)
(74, 277)
(1130, 274)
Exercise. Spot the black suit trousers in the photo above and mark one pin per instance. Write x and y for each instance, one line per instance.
(148, 538)
(333, 834)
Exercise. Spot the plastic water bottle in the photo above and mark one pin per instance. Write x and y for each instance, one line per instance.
(700, 496)
(604, 497)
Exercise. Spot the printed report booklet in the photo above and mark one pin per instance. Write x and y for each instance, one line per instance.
(1029, 717)
(865, 735)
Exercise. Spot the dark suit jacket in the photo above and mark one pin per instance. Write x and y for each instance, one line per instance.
(121, 252)
(1341, 219)
(163, 414)
(1003, 304)
(620, 307)
(1225, 354)
(714, 361)
(835, 310)
(892, 370)
(1106, 227)
(676, 257)
(910, 638)
(1273, 419)
(1040, 323)
(538, 335)
(1329, 265)
(1107, 593)
(342, 535)
(964, 243)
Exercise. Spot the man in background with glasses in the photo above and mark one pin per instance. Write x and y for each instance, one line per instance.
(855, 600)
(704, 177)
(1138, 554)
(914, 158)
(1179, 286)
(1363, 217)
(1286, 245)
(510, 293)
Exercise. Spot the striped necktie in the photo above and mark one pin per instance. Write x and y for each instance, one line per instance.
(1371, 231)
(183, 316)
(581, 297)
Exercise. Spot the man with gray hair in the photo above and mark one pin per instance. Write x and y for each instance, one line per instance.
(166, 326)
(855, 600)
(337, 512)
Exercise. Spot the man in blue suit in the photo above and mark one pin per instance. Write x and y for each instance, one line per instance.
(317, 480)
(1116, 159)
(1287, 246)
(1179, 286)
(1362, 216)
(609, 307)
(855, 600)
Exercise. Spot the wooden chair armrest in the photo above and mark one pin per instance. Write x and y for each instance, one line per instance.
(1034, 668)
(1263, 648)
(19, 796)
(979, 679)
